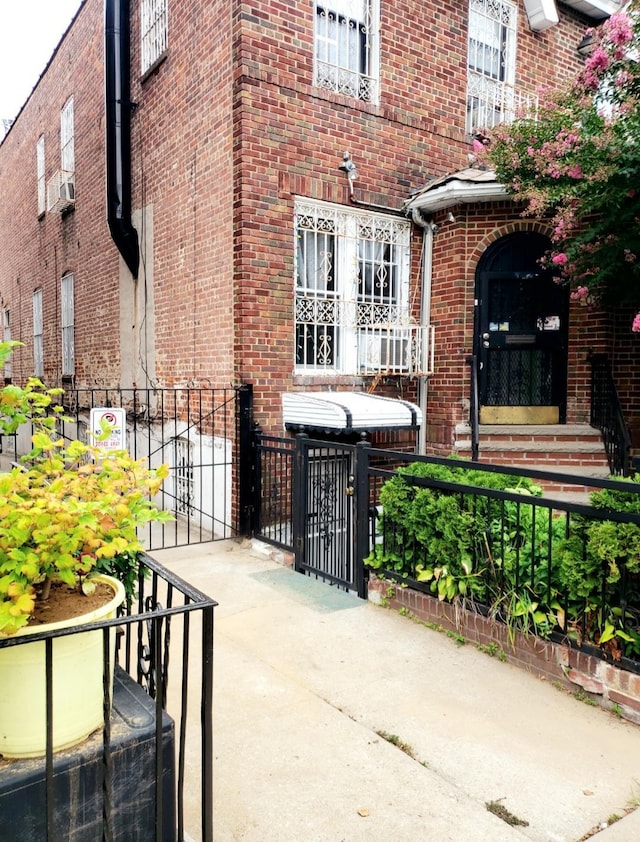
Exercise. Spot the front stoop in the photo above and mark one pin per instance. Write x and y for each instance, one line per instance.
(565, 448)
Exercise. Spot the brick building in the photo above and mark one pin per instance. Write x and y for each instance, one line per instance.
(300, 213)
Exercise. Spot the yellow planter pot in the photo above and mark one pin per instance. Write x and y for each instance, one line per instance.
(77, 684)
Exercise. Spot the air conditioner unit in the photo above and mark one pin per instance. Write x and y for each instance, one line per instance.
(384, 352)
(61, 191)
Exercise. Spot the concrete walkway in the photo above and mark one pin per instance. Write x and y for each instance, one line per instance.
(314, 690)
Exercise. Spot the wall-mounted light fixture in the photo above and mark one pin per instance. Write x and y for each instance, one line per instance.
(350, 168)
(586, 46)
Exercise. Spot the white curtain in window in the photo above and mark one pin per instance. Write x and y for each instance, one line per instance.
(38, 352)
(315, 261)
(67, 153)
(484, 44)
(339, 24)
(67, 314)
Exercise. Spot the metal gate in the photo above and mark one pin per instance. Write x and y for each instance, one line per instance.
(202, 434)
(304, 502)
(325, 495)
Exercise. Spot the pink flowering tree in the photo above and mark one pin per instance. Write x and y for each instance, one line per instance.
(578, 165)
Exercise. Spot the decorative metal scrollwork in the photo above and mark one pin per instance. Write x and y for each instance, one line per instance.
(148, 676)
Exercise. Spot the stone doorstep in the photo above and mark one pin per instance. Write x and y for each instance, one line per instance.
(605, 683)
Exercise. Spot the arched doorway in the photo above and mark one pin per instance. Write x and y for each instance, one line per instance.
(521, 334)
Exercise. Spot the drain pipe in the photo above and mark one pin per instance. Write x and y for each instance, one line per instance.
(425, 314)
(118, 107)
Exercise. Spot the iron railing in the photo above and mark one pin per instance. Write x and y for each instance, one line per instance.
(608, 417)
(273, 490)
(164, 792)
(546, 528)
(197, 432)
(474, 408)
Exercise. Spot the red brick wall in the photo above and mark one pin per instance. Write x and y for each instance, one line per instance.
(227, 133)
(35, 253)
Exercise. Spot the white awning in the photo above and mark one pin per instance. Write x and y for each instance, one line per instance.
(596, 8)
(466, 186)
(347, 412)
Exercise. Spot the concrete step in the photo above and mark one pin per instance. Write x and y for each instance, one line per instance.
(575, 449)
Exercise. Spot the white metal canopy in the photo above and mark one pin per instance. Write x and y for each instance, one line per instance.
(347, 412)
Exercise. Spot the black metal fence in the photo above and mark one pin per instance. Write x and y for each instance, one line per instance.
(196, 431)
(565, 565)
(148, 774)
(274, 490)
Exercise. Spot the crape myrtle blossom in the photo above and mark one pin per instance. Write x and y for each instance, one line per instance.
(576, 164)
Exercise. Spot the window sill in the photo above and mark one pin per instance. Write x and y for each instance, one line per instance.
(323, 379)
(153, 69)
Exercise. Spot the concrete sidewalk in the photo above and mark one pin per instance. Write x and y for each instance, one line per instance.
(313, 689)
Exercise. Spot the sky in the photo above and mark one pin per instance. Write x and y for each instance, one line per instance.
(29, 33)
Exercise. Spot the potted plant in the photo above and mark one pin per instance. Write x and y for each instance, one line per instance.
(68, 518)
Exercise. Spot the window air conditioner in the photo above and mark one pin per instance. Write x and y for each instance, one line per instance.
(384, 352)
(61, 191)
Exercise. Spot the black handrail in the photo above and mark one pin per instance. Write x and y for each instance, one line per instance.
(474, 417)
(608, 417)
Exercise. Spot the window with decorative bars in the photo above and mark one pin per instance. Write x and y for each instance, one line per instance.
(67, 150)
(352, 308)
(153, 32)
(38, 345)
(67, 325)
(42, 187)
(346, 47)
(491, 97)
(183, 474)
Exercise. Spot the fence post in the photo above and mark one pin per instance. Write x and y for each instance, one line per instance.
(245, 444)
(300, 482)
(361, 505)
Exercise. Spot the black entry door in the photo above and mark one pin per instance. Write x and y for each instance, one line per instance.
(521, 339)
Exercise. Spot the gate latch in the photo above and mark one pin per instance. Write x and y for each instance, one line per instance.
(349, 490)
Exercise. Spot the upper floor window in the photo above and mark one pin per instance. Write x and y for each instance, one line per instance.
(38, 345)
(153, 31)
(346, 47)
(491, 63)
(352, 312)
(67, 146)
(42, 187)
(67, 325)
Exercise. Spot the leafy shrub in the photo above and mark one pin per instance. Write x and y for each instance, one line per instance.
(528, 566)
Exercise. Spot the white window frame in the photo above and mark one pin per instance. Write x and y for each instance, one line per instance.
(67, 325)
(347, 47)
(153, 32)
(38, 335)
(491, 64)
(351, 275)
(40, 169)
(67, 138)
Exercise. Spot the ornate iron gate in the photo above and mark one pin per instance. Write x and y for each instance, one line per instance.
(325, 494)
(304, 502)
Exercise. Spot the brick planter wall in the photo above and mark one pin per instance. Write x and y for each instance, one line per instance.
(602, 681)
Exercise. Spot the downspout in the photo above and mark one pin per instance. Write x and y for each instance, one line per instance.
(118, 107)
(425, 314)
